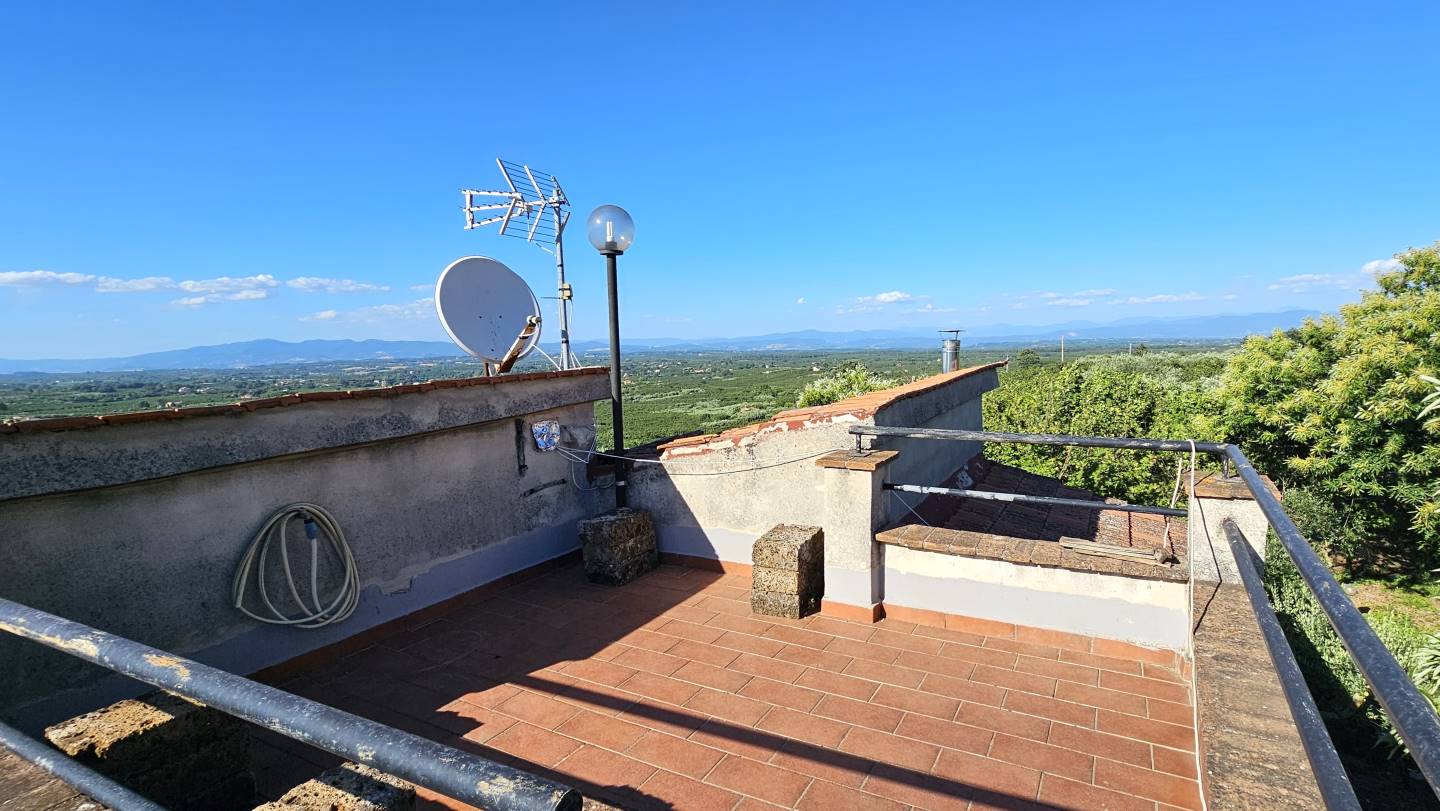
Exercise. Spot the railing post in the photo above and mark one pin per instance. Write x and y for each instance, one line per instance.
(1218, 499)
(855, 509)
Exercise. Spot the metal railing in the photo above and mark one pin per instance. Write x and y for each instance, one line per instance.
(1411, 714)
(82, 778)
(444, 769)
(1325, 762)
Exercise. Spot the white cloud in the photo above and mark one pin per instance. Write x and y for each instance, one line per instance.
(1230, 296)
(888, 297)
(109, 284)
(421, 288)
(316, 284)
(868, 304)
(929, 307)
(228, 284)
(1163, 298)
(38, 278)
(1307, 282)
(1079, 298)
(800, 300)
(226, 288)
(409, 311)
(1375, 266)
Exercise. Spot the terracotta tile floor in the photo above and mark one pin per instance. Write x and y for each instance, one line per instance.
(669, 693)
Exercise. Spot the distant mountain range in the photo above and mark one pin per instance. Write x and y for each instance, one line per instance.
(266, 352)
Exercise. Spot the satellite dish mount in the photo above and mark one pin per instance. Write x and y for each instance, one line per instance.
(488, 311)
(534, 208)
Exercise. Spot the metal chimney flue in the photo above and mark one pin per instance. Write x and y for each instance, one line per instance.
(950, 350)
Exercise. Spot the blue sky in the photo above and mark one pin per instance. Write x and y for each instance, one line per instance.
(187, 174)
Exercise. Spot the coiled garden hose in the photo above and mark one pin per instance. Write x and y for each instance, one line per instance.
(317, 522)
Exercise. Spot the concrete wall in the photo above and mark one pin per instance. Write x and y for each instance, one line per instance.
(432, 506)
(1146, 612)
(715, 505)
(931, 461)
(1213, 560)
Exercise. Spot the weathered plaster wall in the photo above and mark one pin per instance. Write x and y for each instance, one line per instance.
(1214, 562)
(929, 461)
(713, 505)
(428, 515)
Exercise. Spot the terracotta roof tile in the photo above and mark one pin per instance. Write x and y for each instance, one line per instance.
(1029, 533)
(854, 408)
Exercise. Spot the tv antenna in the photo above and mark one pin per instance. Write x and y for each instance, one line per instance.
(535, 209)
(488, 311)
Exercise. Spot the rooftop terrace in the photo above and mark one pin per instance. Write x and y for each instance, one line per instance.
(967, 653)
(668, 692)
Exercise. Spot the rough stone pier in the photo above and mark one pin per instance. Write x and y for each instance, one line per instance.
(788, 576)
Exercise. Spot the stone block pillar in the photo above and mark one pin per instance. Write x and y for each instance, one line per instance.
(1216, 498)
(855, 509)
(788, 578)
(178, 753)
(618, 546)
(347, 787)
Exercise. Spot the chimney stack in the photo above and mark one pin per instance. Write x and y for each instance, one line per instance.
(950, 350)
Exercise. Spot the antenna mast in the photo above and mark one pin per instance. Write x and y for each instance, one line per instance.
(535, 209)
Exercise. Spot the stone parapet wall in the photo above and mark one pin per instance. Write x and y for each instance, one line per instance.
(139, 527)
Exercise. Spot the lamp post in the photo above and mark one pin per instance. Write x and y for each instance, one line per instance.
(611, 231)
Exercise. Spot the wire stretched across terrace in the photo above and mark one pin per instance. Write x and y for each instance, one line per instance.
(1414, 719)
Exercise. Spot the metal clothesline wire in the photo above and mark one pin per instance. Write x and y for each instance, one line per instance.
(566, 452)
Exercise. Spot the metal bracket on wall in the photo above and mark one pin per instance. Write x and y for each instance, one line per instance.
(521, 437)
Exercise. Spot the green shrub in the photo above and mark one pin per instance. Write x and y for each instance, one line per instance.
(852, 380)
(1155, 395)
(1340, 691)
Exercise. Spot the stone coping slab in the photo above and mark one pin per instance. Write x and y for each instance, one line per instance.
(965, 543)
(1252, 749)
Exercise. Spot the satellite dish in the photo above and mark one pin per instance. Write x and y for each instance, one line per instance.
(488, 310)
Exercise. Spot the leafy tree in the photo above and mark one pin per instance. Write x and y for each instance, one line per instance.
(1335, 407)
(1118, 395)
(852, 380)
(1025, 358)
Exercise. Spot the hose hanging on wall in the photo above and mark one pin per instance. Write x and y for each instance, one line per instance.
(317, 522)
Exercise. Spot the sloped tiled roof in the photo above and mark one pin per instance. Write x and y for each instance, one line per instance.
(1029, 533)
(852, 409)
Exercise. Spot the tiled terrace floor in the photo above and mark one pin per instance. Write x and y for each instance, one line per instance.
(668, 692)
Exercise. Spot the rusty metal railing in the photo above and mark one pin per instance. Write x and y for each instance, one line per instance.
(444, 769)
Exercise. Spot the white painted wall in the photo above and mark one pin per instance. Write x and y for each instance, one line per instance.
(1145, 612)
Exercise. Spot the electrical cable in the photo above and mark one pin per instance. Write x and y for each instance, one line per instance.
(911, 509)
(574, 459)
(317, 521)
(712, 472)
(1190, 623)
